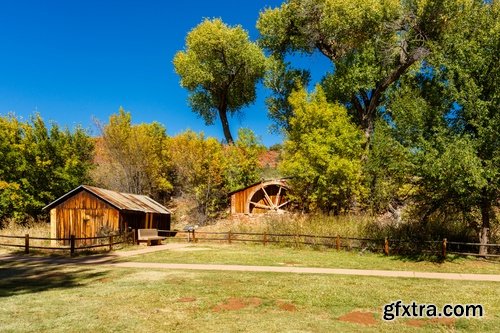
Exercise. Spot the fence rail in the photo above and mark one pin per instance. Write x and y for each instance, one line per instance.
(126, 237)
(386, 245)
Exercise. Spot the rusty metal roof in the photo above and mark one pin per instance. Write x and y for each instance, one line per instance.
(121, 201)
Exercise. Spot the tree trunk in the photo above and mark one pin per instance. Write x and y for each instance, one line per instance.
(485, 225)
(366, 102)
(225, 125)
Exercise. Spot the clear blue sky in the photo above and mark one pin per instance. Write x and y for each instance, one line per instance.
(73, 60)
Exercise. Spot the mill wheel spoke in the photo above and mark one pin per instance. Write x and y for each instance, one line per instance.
(258, 205)
(284, 203)
(278, 198)
(268, 198)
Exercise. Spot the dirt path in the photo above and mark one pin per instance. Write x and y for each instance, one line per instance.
(113, 259)
(314, 270)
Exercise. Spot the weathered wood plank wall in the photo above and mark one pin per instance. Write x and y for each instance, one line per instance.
(84, 215)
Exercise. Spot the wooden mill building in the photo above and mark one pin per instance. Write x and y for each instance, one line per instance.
(263, 197)
(89, 211)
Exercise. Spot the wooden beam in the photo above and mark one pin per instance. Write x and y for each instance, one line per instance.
(285, 203)
(258, 205)
(268, 198)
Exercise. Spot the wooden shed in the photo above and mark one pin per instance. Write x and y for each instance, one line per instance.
(89, 211)
(263, 197)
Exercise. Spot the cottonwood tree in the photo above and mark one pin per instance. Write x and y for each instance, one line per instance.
(371, 43)
(448, 117)
(219, 67)
(470, 58)
(281, 79)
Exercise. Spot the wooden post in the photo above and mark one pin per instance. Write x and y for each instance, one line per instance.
(72, 244)
(338, 243)
(27, 243)
(134, 241)
(194, 237)
(443, 248)
(229, 236)
(111, 243)
(264, 240)
(386, 246)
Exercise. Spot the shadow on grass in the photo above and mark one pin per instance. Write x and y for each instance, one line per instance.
(25, 277)
(426, 257)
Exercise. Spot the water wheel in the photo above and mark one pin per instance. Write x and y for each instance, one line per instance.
(267, 198)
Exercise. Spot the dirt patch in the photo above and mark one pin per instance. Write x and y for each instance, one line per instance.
(286, 306)
(233, 303)
(444, 321)
(358, 317)
(416, 322)
(186, 299)
(254, 301)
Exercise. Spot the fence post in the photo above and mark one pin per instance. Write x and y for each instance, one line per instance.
(386, 246)
(443, 248)
(134, 241)
(264, 239)
(111, 243)
(27, 243)
(194, 237)
(229, 236)
(338, 243)
(72, 244)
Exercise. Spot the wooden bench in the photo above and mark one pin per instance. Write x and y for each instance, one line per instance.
(149, 235)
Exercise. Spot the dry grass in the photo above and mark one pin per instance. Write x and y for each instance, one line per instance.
(346, 225)
(40, 229)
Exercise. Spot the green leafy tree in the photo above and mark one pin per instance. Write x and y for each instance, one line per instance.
(242, 160)
(281, 80)
(39, 164)
(200, 169)
(387, 173)
(322, 154)
(371, 43)
(134, 158)
(470, 58)
(206, 170)
(220, 68)
(447, 116)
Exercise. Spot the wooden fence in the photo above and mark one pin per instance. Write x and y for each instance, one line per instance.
(386, 245)
(103, 242)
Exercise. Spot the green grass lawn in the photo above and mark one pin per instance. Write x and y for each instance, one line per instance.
(240, 254)
(59, 298)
